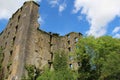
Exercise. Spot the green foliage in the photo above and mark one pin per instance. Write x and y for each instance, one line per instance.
(60, 65)
(65, 75)
(60, 61)
(30, 69)
(61, 70)
(111, 67)
(57, 75)
(97, 58)
(46, 75)
(85, 55)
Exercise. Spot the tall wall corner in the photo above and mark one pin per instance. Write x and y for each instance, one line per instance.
(16, 37)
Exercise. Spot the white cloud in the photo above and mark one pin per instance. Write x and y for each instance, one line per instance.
(116, 32)
(116, 29)
(99, 13)
(61, 4)
(40, 20)
(53, 3)
(80, 18)
(116, 35)
(9, 7)
(62, 7)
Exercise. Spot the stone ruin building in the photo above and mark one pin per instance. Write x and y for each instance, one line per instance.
(24, 43)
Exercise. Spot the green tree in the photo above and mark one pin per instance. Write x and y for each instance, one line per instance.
(61, 70)
(111, 67)
(46, 75)
(94, 56)
(60, 65)
(30, 69)
(85, 55)
(60, 61)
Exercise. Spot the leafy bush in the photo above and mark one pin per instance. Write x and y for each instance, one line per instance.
(61, 70)
(60, 61)
(98, 58)
(30, 69)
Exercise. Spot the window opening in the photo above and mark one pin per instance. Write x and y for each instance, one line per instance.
(14, 40)
(69, 49)
(68, 36)
(11, 52)
(70, 65)
(70, 58)
(51, 55)
(68, 42)
(18, 18)
(76, 39)
(16, 28)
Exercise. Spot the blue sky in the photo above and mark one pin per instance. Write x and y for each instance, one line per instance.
(61, 22)
(97, 18)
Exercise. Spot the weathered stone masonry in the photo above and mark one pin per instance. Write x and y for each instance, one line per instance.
(23, 43)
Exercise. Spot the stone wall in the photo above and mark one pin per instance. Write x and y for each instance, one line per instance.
(24, 44)
(9, 40)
